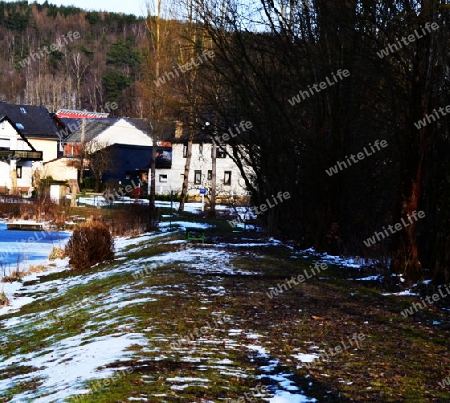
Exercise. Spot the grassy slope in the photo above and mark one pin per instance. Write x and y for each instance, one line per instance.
(401, 360)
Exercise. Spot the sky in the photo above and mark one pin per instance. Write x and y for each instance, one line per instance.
(136, 7)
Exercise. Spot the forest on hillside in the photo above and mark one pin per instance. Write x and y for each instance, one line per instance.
(347, 100)
(99, 62)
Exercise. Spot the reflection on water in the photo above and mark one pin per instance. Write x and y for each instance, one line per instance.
(18, 246)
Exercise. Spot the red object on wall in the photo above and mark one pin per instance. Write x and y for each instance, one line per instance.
(137, 193)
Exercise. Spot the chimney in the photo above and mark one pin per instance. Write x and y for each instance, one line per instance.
(178, 129)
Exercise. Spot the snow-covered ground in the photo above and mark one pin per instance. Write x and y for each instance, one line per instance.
(65, 365)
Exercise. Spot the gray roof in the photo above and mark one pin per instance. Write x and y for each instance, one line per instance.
(96, 126)
(32, 121)
(93, 128)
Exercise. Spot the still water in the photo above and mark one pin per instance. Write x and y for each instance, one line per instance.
(22, 246)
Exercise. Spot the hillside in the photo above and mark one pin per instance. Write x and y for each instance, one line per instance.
(169, 321)
(65, 57)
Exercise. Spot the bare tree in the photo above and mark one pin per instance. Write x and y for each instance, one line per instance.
(79, 66)
(97, 156)
(100, 160)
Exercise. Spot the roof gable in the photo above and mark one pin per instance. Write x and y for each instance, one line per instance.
(32, 121)
(7, 119)
(110, 131)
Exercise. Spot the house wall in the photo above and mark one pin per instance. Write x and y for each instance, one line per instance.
(59, 170)
(10, 139)
(5, 176)
(123, 132)
(49, 148)
(201, 161)
(23, 183)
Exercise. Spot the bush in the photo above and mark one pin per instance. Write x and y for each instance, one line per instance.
(89, 244)
(57, 253)
(4, 301)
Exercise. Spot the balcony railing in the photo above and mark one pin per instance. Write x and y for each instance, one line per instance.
(7, 155)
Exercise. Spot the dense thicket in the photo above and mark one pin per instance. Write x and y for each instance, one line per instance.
(102, 65)
(302, 43)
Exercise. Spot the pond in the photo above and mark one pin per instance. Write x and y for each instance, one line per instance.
(26, 246)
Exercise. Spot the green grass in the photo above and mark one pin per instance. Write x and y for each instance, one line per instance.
(401, 360)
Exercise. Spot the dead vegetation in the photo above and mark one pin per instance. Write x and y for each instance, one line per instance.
(90, 243)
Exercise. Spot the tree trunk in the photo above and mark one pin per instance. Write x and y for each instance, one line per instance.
(212, 212)
(152, 196)
(187, 168)
(406, 257)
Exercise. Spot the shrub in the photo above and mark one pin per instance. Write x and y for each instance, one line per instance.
(4, 301)
(89, 244)
(57, 253)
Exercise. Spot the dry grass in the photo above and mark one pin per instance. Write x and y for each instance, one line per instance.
(4, 301)
(57, 253)
(16, 275)
(35, 269)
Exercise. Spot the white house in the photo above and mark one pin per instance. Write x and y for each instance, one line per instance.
(107, 131)
(16, 158)
(127, 140)
(36, 125)
(60, 169)
(229, 181)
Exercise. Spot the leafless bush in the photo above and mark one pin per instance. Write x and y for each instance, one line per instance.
(90, 243)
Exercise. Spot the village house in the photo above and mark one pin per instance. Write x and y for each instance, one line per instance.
(125, 140)
(229, 181)
(29, 137)
(17, 155)
(37, 125)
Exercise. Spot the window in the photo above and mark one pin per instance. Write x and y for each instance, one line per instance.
(197, 177)
(20, 126)
(221, 152)
(209, 175)
(22, 110)
(19, 172)
(163, 178)
(200, 149)
(227, 178)
(184, 150)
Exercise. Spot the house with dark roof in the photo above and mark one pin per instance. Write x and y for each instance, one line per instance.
(229, 180)
(37, 125)
(126, 140)
(132, 164)
(17, 155)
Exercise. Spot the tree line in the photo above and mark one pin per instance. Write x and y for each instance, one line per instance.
(279, 65)
(271, 52)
